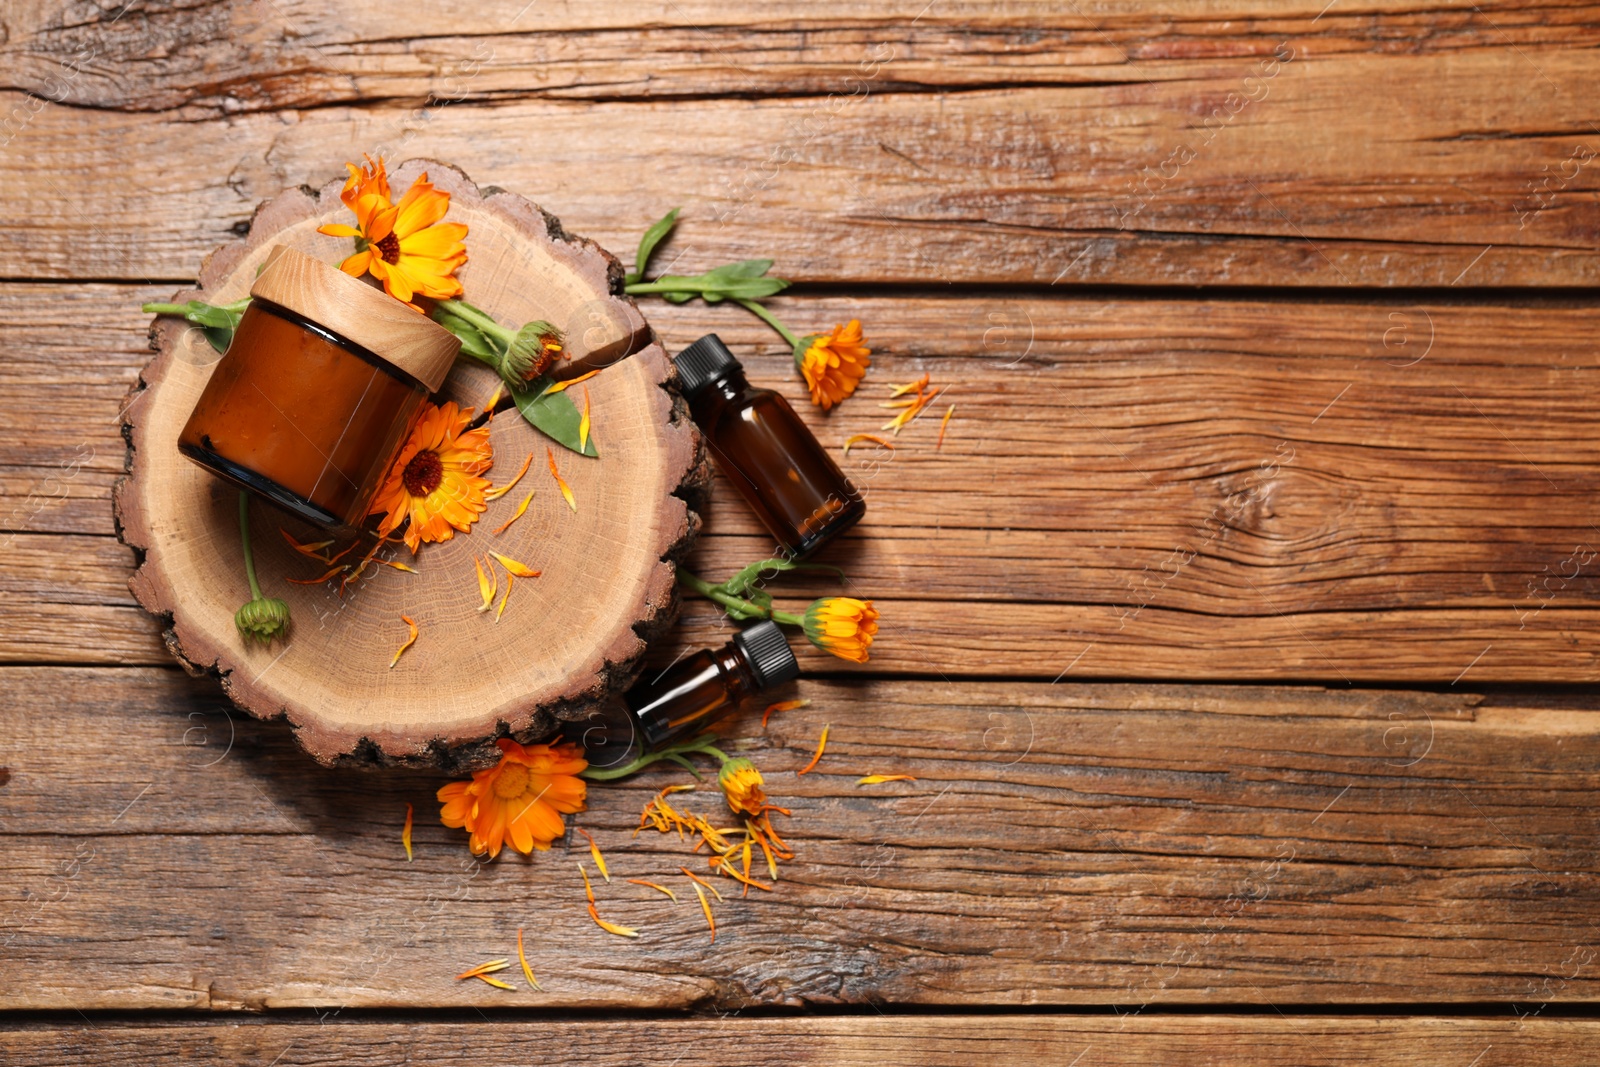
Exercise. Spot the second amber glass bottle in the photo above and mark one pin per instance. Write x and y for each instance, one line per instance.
(778, 465)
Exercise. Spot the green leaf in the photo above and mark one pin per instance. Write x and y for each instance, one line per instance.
(216, 321)
(652, 237)
(555, 416)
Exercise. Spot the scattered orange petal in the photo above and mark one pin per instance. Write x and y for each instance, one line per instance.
(701, 881)
(314, 581)
(519, 570)
(526, 970)
(856, 438)
(911, 387)
(520, 509)
(510, 581)
(902, 420)
(611, 928)
(314, 550)
(652, 885)
(501, 490)
(499, 391)
(497, 983)
(588, 890)
(565, 491)
(874, 779)
(484, 968)
(822, 744)
(409, 641)
(705, 906)
(594, 850)
(570, 382)
(583, 423)
(944, 424)
(405, 833)
(486, 588)
(396, 564)
(782, 705)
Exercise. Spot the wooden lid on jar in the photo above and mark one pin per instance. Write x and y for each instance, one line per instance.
(358, 312)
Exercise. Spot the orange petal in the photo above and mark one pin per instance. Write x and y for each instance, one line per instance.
(782, 705)
(874, 438)
(520, 509)
(526, 970)
(409, 641)
(566, 492)
(705, 906)
(652, 885)
(583, 432)
(611, 928)
(821, 745)
(520, 570)
(874, 779)
(944, 424)
(484, 968)
(500, 491)
(405, 833)
(570, 382)
(594, 850)
(497, 983)
(314, 550)
(486, 589)
(701, 881)
(510, 581)
(588, 890)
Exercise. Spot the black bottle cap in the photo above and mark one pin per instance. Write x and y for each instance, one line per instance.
(703, 363)
(769, 653)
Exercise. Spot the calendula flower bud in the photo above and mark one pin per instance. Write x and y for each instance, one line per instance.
(263, 619)
(842, 626)
(742, 784)
(531, 353)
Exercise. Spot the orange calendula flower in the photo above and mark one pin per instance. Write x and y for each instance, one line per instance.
(520, 800)
(833, 363)
(743, 786)
(403, 245)
(842, 626)
(435, 479)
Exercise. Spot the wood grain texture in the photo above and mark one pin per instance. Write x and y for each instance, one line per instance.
(1226, 489)
(605, 583)
(1072, 844)
(1199, 150)
(864, 1041)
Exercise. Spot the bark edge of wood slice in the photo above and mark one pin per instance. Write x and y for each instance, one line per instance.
(569, 641)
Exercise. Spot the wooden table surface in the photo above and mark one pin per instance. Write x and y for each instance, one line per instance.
(1241, 637)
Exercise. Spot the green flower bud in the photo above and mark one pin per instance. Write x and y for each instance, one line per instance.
(531, 353)
(263, 619)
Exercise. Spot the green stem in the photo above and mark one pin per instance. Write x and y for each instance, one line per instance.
(480, 319)
(244, 539)
(640, 288)
(770, 319)
(183, 309)
(700, 744)
(739, 604)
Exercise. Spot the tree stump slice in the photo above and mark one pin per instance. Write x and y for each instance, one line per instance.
(568, 640)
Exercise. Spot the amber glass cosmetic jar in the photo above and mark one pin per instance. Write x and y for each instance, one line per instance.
(317, 392)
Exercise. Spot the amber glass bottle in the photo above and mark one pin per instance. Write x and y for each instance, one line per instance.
(794, 487)
(702, 688)
(316, 394)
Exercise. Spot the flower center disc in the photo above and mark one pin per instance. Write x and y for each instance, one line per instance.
(423, 474)
(389, 248)
(512, 781)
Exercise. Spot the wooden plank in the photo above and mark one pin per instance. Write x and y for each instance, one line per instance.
(226, 62)
(1126, 844)
(1206, 161)
(855, 1041)
(1227, 489)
